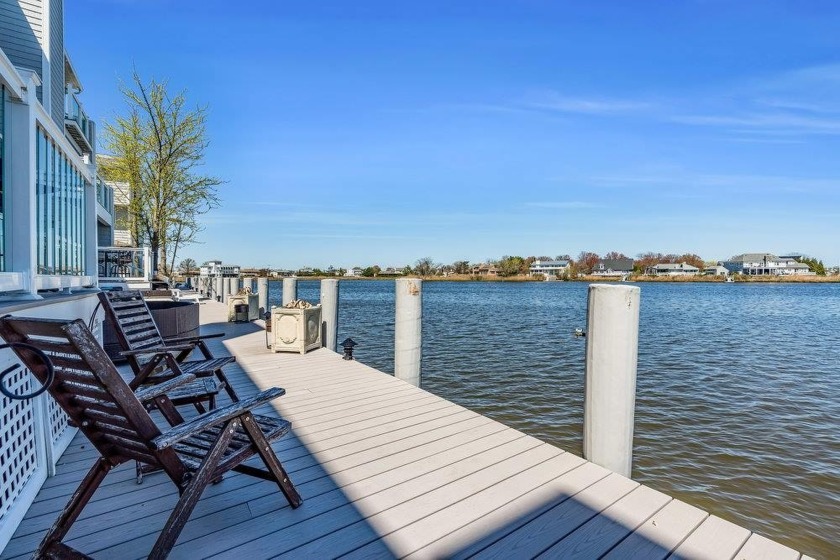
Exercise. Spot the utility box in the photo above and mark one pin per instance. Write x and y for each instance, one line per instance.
(251, 300)
(295, 329)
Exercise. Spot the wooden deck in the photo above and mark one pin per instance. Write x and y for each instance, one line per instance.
(386, 470)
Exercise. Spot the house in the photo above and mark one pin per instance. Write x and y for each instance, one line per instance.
(216, 268)
(673, 269)
(354, 272)
(716, 270)
(613, 267)
(54, 210)
(549, 268)
(760, 264)
(484, 269)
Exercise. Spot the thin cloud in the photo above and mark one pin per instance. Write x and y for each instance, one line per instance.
(570, 205)
(589, 105)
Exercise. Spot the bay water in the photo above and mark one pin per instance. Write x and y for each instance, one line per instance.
(738, 389)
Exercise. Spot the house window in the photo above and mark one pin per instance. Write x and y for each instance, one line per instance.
(60, 208)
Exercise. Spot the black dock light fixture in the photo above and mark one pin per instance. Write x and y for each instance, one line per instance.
(348, 345)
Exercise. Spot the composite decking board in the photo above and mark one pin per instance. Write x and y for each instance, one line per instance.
(558, 516)
(427, 530)
(657, 537)
(714, 538)
(385, 468)
(601, 533)
(367, 479)
(759, 547)
(506, 518)
(350, 526)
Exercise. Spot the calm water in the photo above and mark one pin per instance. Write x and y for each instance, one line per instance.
(738, 392)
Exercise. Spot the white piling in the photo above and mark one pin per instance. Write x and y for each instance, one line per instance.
(408, 330)
(612, 347)
(262, 293)
(289, 290)
(221, 288)
(329, 312)
(248, 284)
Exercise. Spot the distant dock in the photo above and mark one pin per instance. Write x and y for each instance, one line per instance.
(386, 470)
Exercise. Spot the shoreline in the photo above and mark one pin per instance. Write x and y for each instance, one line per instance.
(601, 279)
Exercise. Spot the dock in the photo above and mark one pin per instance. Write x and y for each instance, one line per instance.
(386, 470)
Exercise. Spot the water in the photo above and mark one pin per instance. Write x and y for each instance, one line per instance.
(738, 392)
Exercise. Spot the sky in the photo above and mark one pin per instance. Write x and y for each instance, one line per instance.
(381, 132)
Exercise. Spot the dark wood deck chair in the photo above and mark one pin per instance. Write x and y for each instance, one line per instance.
(145, 348)
(113, 417)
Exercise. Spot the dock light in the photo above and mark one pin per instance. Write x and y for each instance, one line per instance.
(348, 345)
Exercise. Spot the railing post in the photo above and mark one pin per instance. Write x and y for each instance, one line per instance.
(225, 289)
(329, 312)
(262, 293)
(289, 290)
(221, 288)
(408, 330)
(612, 347)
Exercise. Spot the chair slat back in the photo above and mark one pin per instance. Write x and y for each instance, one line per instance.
(87, 386)
(135, 327)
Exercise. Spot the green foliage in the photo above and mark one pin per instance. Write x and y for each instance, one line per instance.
(158, 146)
(816, 266)
(510, 266)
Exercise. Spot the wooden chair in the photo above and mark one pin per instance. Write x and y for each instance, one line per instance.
(193, 453)
(145, 349)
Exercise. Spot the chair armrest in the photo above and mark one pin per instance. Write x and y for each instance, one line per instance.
(177, 339)
(214, 417)
(156, 350)
(155, 391)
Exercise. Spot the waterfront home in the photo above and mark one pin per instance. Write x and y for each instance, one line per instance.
(485, 269)
(549, 268)
(673, 269)
(613, 267)
(760, 264)
(716, 270)
(216, 268)
(53, 211)
(354, 272)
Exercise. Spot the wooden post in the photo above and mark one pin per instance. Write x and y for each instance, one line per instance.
(329, 313)
(262, 292)
(612, 347)
(289, 290)
(408, 330)
(248, 284)
(221, 289)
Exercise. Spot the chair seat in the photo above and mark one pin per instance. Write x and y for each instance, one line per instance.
(193, 449)
(198, 389)
(203, 368)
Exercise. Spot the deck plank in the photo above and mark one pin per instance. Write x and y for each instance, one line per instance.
(386, 469)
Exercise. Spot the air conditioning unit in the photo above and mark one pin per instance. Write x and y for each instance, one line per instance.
(295, 330)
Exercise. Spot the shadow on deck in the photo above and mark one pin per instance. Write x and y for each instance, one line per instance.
(385, 470)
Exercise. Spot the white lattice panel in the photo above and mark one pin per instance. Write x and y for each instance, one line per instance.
(18, 450)
(58, 422)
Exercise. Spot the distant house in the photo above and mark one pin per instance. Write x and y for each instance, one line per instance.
(549, 268)
(353, 272)
(216, 268)
(716, 270)
(484, 269)
(761, 264)
(613, 267)
(673, 269)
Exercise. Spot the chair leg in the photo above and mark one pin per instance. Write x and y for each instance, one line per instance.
(192, 493)
(223, 378)
(74, 507)
(270, 459)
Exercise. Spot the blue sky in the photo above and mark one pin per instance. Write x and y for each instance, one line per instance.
(380, 132)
